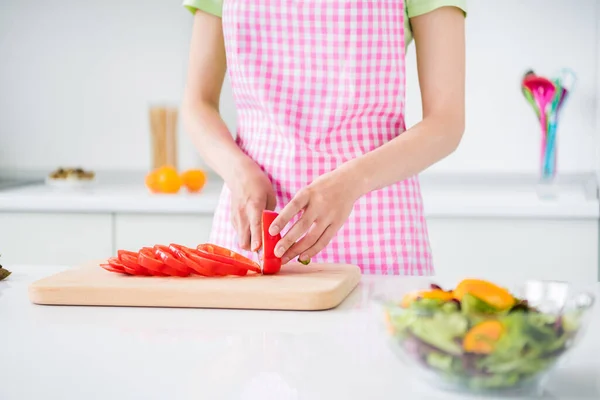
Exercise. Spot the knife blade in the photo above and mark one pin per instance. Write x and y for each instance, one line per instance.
(260, 260)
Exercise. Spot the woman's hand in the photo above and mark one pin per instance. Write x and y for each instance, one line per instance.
(251, 194)
(251, 189)
(325, 204)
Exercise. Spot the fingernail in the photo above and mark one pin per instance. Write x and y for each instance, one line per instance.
(279, 251)
(273, 230)
(255, 246)
(304, 258)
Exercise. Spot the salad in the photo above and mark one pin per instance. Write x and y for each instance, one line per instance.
(479, 336)
(4, 273)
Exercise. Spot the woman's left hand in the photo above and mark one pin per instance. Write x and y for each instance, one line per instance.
(325, 204)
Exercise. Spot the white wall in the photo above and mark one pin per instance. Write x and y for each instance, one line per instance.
(597, 134)
(78, 75)
(504, 38)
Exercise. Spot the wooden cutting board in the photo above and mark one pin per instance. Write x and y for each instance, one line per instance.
(296, 287)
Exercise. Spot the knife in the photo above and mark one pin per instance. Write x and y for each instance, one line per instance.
(260, 259)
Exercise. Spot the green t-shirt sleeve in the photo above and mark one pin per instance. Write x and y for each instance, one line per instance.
(214, 7)
(419, 7)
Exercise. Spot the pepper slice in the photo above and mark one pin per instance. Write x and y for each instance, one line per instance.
(170, 261)
(126, 252)
(226, 256)
(186, 256)
(271, 263)
(147, 260)
(113, 268)
(221, 264)
(115, 264)
(129, 269)
(129, 263)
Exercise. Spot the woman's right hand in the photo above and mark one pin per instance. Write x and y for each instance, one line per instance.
(251, 194)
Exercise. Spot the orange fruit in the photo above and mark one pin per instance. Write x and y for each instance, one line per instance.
(194, 179)
(152, 181)
(167, 180)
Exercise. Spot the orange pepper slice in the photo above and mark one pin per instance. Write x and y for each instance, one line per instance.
(426, 294)
(481, 339)
(488, 292)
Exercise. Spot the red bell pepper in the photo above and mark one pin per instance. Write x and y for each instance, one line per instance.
(148, 260)
(238, 262)
(172, 264)
(113, 268)
(218, 267)
(271, 263)
(131, 268)
(186, 256)
(177, 260)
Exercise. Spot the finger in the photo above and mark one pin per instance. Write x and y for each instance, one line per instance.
(297, 204)
(301, 246)
(271, 202)
(297, 230)
(243, 231)
(255, 222)
(234, 221)
(320, 244)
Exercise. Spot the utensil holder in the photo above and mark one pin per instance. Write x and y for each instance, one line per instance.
(547, 182)
(163, 136)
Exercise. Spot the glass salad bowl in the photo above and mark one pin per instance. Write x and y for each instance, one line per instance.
(482, 338)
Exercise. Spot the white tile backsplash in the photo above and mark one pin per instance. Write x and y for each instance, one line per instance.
(76, 78)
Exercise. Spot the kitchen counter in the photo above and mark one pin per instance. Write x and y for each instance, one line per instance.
(151, 353)
(508, 196)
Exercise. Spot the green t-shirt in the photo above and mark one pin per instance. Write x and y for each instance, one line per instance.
(412, 8)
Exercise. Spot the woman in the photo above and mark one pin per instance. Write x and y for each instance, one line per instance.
(319, 90)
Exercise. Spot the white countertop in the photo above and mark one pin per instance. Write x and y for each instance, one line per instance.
(150, 353)
(443, 196)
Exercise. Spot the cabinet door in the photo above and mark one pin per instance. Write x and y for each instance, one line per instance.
(54, 239)
(512, 250)
(133, 231)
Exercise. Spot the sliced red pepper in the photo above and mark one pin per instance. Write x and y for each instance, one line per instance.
(220, 267)
(127, 252)
(173, 272)
(226, 256)
(204, 265)
(178, 260)
(271, 263)
(186, 256)
(147, 260)
(176, 250)
(113, 268)
(129, 269)
(117, 264)
(170, 261)
(130, 260)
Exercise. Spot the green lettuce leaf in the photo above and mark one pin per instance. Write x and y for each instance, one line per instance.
(441, 330)
(525, 346)
(472, 305)
(494, 381)
(440, 361)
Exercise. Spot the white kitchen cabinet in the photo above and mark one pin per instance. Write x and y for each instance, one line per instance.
(515, 249)
(133, 231)
(54, 238)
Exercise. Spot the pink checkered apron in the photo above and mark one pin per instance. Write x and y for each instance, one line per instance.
(317, 83)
